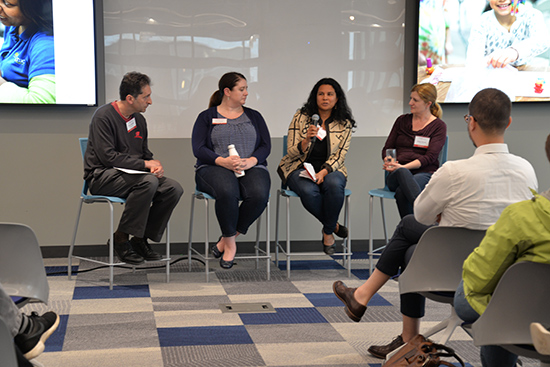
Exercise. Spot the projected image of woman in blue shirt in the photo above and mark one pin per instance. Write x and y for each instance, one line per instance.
(27, 62)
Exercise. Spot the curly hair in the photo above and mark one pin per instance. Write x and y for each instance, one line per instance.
(340, 112)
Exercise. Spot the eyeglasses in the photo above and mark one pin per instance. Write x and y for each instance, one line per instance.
(468, 118)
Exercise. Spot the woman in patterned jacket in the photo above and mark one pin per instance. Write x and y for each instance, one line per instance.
(320, 134)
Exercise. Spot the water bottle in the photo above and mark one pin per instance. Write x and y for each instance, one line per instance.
(233, 151)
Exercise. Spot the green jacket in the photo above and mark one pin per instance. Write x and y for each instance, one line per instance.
(522, 233)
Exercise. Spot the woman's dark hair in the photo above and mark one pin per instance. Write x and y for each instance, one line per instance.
(228, 80)
(39, 13)
(340, 112)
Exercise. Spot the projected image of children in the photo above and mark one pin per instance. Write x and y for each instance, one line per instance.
(510, 33)
(27, 61)
(502, 44)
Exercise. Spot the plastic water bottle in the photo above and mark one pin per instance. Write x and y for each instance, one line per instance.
(233, 151)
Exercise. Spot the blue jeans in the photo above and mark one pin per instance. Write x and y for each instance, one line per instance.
(252, 189)
(491, 355)
(407, 187)
(324, 201)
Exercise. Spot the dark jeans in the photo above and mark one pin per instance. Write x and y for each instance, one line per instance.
(491, 355)
(140, 218)
(407, 187)
(252, 189)
(324, 201)
(407, 234)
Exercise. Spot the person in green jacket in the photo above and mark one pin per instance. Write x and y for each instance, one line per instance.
(522, 233)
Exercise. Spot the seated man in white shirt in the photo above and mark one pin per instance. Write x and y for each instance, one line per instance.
(468, 193)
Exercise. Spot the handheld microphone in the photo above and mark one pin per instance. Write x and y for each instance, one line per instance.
(315, 119)
(315, 122)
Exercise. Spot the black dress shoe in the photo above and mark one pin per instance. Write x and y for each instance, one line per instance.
(126, 253)
(215, 251)
(226, 264)
(329, 250)
(143, 249)
(354, 309)
(342, 231)
(381, 351)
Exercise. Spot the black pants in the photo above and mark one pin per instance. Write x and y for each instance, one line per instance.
(140, 218)
(407, 234)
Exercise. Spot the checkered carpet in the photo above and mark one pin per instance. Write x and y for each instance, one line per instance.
(145, 321)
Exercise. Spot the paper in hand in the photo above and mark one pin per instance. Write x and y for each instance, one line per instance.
(309, 172)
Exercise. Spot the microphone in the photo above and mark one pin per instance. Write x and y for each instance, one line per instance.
(315, 119)
(315, 122)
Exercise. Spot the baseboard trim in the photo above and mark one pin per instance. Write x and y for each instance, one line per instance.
(181, 248)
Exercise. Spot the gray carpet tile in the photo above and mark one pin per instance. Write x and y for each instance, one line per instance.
(293, 333)
(109, 331)
(237, 274)
(382, 314)
(260, 287)
(212, 356)
(62, 307)
(319, 274)
(188, 303)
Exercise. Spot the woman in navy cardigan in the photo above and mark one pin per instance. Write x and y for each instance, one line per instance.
(227, 122)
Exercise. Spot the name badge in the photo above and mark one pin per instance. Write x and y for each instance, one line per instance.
(219, 121)
(131, 125)
(421, 141)
(321, 133)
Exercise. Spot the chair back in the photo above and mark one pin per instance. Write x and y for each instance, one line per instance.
(442, 158)
(88, 198)
(436, 264)
(285, 148)
(7, 350)
(83, 145)
(521, 297)
(22, 271)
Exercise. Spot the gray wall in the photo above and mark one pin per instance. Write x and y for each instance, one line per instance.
(42, 171)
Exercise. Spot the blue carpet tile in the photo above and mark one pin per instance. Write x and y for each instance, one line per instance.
(56, 340)
(57, 271)
(306, 315)
(311, 265)
(127, 291)
(208, 335)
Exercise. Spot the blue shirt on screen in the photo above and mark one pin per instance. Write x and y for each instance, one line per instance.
(25, 56)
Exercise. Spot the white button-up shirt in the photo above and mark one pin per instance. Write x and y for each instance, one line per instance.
(472, 192)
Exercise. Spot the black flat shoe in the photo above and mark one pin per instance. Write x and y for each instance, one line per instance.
(342, 231)
(215, 251)
(226, 264)
(329, 250)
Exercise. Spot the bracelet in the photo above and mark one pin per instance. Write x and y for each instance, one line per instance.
(517, 53)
